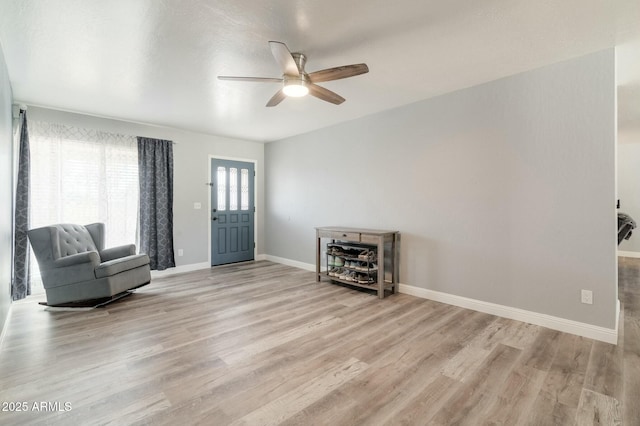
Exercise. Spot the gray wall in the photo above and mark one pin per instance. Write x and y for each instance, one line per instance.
(191, 165)
(6, 192)
(503, 192)
(629, 189)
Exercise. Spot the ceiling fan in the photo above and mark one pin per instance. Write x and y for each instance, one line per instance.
(295, 80)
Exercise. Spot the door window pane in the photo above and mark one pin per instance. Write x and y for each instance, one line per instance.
(233, 188)
(244, 189)
(222, 188)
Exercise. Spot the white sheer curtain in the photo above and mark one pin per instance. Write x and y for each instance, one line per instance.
(83, 176)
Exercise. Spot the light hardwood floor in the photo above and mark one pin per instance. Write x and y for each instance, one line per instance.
(262, 343)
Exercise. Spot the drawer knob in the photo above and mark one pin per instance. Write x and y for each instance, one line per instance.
(344, 235)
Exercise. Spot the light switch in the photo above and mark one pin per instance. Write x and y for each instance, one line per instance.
(197, 206)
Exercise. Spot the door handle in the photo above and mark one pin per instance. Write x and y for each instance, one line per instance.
(214, 218)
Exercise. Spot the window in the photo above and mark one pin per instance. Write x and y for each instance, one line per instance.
(84, 176)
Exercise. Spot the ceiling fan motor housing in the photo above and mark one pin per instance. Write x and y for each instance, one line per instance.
(301, 60)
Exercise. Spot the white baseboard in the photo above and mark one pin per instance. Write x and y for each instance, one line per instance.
(622, 253)
(555, 323)
(261, 257)
(180, 269)
(289, 262)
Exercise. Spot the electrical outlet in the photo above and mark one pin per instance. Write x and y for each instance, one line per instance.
(587, 297)
(180, 252)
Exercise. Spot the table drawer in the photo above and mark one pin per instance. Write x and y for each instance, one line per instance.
(369, 239)
(343, 236)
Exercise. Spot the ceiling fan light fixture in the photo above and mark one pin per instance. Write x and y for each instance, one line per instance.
(295, 88)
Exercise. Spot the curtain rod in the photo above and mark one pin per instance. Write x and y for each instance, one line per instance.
(16, 109)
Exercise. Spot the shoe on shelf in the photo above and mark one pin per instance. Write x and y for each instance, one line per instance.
(331, 261)
(367, 255)
(337, 251)
(373, 267)
(338, 261)
(334, 271)
(347, 275)
(364, 279)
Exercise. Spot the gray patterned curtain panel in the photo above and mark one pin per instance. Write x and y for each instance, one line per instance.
(21, 284)
(155, 168)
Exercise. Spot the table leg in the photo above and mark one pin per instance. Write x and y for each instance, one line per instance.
(317, 257)
(381, 267)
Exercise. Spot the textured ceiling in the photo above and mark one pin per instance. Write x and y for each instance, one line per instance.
(156, 61)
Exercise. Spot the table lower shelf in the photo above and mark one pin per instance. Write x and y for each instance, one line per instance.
(372, 286)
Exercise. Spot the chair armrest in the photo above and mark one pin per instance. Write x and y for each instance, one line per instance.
(77, 259)
(70, 269)
(117, 252)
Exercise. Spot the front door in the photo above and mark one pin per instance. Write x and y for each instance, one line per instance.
(232, 211)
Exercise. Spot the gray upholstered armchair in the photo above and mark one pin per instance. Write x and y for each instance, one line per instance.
(76, 267)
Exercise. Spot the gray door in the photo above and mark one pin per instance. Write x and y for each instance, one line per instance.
(232, 211)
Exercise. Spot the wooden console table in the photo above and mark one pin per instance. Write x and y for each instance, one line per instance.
(383, 243)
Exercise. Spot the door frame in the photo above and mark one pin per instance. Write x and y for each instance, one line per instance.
(255, 201)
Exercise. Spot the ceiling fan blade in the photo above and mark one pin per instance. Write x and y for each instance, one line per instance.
(284, 58)
(325, 94)
(338, 72)
(276, 99)
(256, 79)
